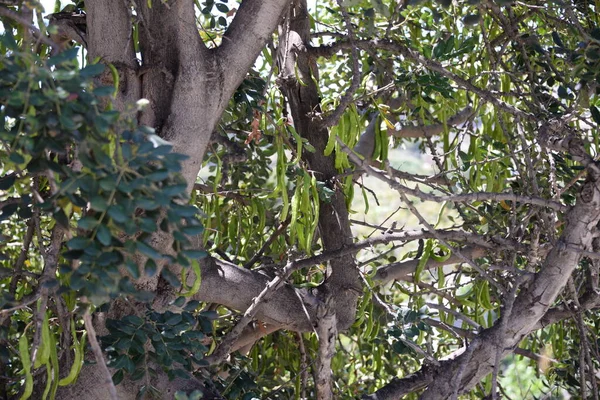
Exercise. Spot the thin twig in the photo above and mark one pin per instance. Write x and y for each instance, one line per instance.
(89, 326)
(463, 365)
(25, 303)
(27, 24)
(399, 188)
(508, 307)
(303, 366)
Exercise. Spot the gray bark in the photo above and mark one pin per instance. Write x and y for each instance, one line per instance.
(343, 280)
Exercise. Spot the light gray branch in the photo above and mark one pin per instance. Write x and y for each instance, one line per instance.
(251, 28)
(226, 345)
(89, 326)
(402, 269)
(327, 333)
(409, 131)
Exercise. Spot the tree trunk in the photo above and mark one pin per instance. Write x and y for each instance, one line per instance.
(303, 102)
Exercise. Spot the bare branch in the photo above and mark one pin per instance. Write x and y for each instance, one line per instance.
(409, 131)
(26, 302)
(327, 333)
(303, 366)
(228, 341)
(457, 314)
(89, 326)
(252, 334)
(400, 270)
(481, 196)
(229, 194)
(247, 34)
(23, 254)
(27, 25)
(69, 26)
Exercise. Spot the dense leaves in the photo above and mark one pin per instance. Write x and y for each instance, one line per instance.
(176, 340)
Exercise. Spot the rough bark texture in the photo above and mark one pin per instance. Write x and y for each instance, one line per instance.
(221, 279)
(303, 101)
(115, 48)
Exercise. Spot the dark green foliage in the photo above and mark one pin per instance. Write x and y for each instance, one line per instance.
(172, 341)
(104, 183)
(129, 179)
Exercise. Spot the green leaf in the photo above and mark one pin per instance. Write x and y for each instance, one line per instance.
(191, 305)
(78, 243)
(63, 57)
(147, 204)
(103, 234)
(195, 254)
(557, 40)
(173, 320)
(117, 213)
(192, 230)
(595, 114)
(98, 203)
(104, 91)
(147, 250)
(7, 182)
(472, 19)
(179, 302)
(16, 158)
(132, 268)
(562, 92)
(60, 217)
(92, 70)
(174, 190)
(158, 175)
(118, 377)
(87, 223)
(222, 8)
(170, 277)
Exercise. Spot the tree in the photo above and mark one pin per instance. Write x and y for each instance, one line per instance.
(254, 280)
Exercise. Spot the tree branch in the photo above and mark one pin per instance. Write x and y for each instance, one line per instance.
(399, 48)
(400, 270)
(89, 326)
(226, 345)
(409, 131)
(327, 334)
(250, 30)
(529, 307)
(5, 12)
